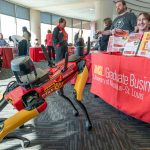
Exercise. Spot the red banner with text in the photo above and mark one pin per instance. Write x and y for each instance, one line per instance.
(123, 82)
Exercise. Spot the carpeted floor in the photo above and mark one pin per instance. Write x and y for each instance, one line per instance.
(58, 129)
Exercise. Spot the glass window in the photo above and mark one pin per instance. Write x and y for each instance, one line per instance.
(68, 22)
(53, 26)
(55, 19)
(69, 31)
(22, 23)
(86, 25)
(44, 28)
(46, 18)
(22, 13)
(8, 25)
(76, 23)
(86, 34)
(7, 8)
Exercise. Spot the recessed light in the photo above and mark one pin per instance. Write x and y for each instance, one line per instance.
(91, 9)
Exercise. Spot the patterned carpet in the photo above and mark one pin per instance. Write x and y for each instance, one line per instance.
(58, 129)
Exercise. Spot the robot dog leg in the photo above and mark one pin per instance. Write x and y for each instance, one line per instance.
(78, 90)
(9, 125)
(61, 93)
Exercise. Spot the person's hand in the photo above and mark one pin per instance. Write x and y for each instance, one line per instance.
(98, 32)
(113, 31)
(136, 29)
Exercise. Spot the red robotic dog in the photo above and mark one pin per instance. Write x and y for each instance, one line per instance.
(27, 94)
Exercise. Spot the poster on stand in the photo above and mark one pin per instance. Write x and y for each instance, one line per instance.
(117, 41)
(144, 48)
(132, 44)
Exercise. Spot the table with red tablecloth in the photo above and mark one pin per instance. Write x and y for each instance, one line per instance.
(7, 56)
(36, 54)
(123, 82)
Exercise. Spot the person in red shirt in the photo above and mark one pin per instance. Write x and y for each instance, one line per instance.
(60, 40)
(49, 44)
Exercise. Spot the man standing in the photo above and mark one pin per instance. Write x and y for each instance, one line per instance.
(125, 20)
(60, 38)
(27, 36)
(103, 39)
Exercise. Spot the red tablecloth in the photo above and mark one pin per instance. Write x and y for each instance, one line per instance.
(36, 54)
(123, 82)
(7, 56)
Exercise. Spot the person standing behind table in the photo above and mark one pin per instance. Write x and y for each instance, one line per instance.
(80, 44)
(125, 20)
(21, 43)
(76, 36)
(103, 40)
(49, 44)
(27, 36)
(60, 38)
(2, 41)
(143, 23)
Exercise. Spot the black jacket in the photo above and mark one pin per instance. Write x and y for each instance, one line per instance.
(57, 36)
(103, 41)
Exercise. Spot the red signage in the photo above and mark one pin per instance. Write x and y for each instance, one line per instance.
(123, 82)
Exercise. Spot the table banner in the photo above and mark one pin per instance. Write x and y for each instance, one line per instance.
(123, 82)
(7, 56)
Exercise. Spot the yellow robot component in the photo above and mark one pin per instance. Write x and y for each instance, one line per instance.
(15, 121)
(80, 83)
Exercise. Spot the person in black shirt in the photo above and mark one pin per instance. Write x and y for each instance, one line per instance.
(103, 40)
(60, 40)
(125, 20)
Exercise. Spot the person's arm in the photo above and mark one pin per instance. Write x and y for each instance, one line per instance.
(55, 37)
(106, 32)
(16, 39)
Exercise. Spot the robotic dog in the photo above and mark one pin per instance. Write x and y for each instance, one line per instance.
(27, 94)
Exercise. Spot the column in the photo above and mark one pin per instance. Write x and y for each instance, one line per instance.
(103, 9)
(35, 25)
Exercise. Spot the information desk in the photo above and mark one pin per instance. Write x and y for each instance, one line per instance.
(7, 56)
(123, 82)
(36, 54)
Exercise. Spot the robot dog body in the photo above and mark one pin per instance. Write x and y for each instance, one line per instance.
(28, 95)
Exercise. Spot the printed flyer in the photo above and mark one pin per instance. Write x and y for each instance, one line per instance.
(132, 44)
(144, 49)
(117, 41)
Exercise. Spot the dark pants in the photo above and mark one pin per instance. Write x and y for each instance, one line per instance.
(51, 52)
(22, 48)
(60, 52)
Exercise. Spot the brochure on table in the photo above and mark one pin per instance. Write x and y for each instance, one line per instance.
(117, 41)
(132, 44)
(144, 49)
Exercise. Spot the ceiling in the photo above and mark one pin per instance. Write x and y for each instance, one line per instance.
(80, 9)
